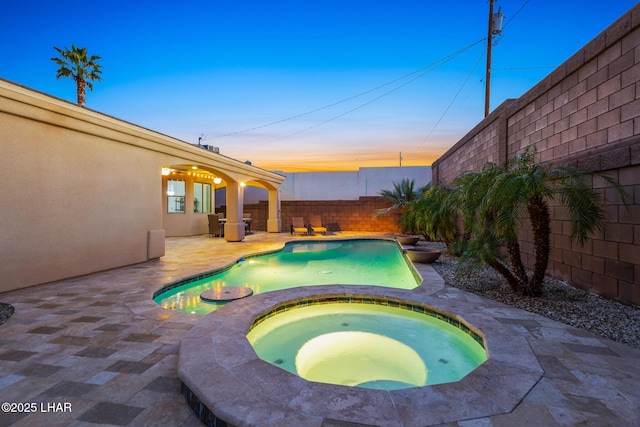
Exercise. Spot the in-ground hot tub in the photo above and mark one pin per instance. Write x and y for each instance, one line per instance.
(367, 342)
(223, 379)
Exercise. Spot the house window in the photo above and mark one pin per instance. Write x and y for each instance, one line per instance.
(201, 197)
(175, 196)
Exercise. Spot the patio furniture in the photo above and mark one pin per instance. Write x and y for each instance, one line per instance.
(316, 225)
(297, 225)
(247, 223)
(216, 229)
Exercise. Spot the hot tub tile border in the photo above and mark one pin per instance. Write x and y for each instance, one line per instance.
(443, 316)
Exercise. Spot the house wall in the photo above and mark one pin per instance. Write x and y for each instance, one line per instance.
(68, 207)
(83, 192)
(585, 113)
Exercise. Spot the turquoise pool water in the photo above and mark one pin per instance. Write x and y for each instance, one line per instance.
(367, 345)
(349, 262)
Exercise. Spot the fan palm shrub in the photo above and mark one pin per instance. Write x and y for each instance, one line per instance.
(495, 204)
(433, 215)
(400, 197)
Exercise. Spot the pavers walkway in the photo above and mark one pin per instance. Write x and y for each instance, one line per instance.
(96, 350)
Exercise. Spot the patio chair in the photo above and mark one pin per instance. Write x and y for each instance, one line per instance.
(316, 225)
(246, 218)
(215, 229)
(297, 225)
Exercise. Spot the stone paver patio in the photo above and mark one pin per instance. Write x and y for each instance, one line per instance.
(96, 350)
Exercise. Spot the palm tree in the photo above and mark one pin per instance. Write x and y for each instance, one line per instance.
(76, 63)
(495, 203)
(433, 215)
(400, 197)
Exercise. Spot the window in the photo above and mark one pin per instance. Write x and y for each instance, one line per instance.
(175, 196)
(201, 197)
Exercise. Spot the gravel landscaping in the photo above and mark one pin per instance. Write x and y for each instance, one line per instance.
(560, 301)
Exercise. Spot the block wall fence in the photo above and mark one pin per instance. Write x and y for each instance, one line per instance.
(352, 215)
(586, 113)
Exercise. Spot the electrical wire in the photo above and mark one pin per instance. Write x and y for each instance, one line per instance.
(455, 96)
(429, 68)
(515, 14)
(523, 68)
(436, 65)
(473, 70)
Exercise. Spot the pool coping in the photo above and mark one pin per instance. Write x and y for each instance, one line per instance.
(222, 376)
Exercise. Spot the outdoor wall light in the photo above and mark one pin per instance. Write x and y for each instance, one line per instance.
(217, 180)
(166, 171)
(242, 184)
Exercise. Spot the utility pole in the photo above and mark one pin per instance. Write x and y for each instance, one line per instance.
(494, 27)
(487, 81)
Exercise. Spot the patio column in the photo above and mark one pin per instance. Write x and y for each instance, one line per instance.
(234, 228)
(273, 221)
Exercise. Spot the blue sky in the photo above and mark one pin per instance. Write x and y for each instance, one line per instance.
(328, 74)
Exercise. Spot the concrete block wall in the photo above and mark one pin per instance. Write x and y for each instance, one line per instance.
(352, 215)
(585, 113)
(480, 146)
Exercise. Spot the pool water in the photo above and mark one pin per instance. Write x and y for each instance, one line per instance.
(366, 345)
(351, 262)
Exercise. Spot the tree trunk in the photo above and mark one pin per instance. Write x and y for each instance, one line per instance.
(513, 249)
(81, 91)
(512, 280)
(541, 226)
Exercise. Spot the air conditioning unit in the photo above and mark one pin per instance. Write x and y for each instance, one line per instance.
(212, 148)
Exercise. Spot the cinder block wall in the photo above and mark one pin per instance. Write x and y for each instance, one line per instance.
(352, 215)
(585, 113)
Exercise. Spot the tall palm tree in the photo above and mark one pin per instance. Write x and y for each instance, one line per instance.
(495, 203)
(76, 63)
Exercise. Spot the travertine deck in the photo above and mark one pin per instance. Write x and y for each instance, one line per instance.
(99, 343)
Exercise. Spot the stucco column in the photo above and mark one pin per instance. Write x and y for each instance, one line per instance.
(273, 221)
(234, 227)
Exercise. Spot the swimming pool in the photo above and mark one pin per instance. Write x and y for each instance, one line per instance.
(367, 342)
(302, 263)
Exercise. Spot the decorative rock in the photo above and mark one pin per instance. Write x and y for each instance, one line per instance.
(227, 293)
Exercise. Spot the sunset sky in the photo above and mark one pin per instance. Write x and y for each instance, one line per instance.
(301, 86)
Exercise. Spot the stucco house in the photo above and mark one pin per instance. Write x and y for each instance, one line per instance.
(85, 192)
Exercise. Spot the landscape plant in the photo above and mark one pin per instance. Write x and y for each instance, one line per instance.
(496, 203)
(400, 197)
(431, 214)
(77, 64)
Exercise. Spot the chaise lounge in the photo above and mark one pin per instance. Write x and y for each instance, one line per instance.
(297, 225)
(316, 225)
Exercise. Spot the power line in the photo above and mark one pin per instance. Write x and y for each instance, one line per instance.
(435, 66)
(474, 68)
(515, 14)
(455, 97)
(523, 68)
(430, 68)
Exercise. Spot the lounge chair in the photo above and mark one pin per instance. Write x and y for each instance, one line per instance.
(316, 225)
(215, 229)
(297, 225)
